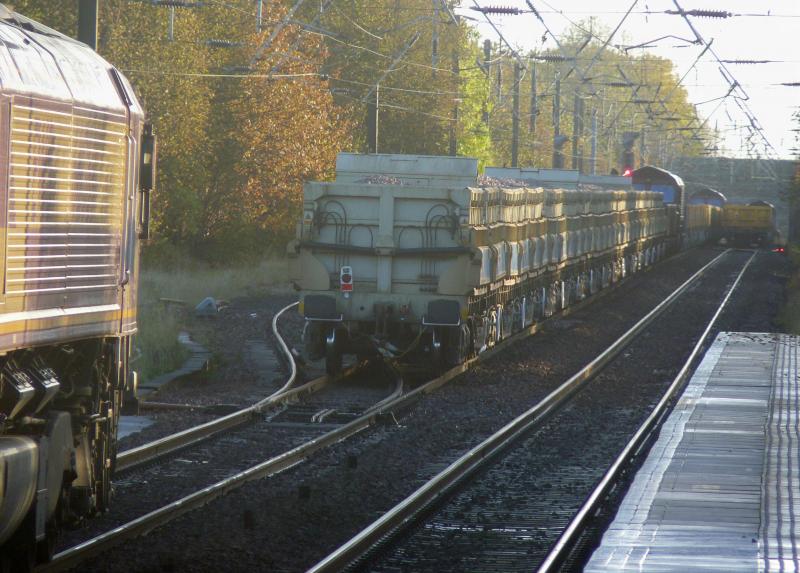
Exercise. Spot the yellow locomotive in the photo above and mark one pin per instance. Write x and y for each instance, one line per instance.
(749, 225)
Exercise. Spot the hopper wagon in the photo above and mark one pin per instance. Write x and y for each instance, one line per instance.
(414, 257)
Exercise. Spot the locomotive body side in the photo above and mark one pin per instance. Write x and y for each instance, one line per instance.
(412, 254)
(70, 133)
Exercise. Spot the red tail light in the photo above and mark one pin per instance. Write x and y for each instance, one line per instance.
(346, 279)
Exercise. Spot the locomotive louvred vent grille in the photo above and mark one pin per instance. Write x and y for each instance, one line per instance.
(66, 198)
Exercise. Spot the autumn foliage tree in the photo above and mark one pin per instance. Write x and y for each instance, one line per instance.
(245, 116)
(283, 129)
(236, 141)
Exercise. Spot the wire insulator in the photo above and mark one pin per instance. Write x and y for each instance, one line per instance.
(747, 61)
(214, 43)
(238, 69)
(701, 13)
(497, 10)
(177, 3)
(552, 58)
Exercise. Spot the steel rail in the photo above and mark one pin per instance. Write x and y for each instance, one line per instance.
(402, 515)
(142, 525)
(560, 552)
(75, 555)
(146, 453)
(398, 392)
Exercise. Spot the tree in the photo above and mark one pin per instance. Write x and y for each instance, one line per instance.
(239, 135)
(234, 146)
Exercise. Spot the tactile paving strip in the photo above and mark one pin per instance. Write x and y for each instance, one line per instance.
(778, 548)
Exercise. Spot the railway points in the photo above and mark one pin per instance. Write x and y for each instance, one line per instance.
(165, 514)
(289, 482)
(498, 505)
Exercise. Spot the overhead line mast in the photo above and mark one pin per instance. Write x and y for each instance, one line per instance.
(87, 22)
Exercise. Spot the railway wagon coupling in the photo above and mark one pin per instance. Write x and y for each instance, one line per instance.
(75, 195)
(419, 258)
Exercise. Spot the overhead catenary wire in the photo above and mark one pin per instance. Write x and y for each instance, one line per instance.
(502, 37)
(279, 26)
(735, 85)
(274, 33)
(227, 75)
(726, 77)
(399, 88)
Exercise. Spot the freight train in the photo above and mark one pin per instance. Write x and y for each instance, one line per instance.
(77, 171)
(419, 257)
(749, 225)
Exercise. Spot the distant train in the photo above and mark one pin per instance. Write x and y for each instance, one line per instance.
(707, 196)
(751, 225)
(708, 215)
(78, 167)
(419, 258)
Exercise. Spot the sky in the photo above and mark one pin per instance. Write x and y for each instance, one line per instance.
(772, 37)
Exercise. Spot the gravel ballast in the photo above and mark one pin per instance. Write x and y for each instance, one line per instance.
(507, 519)
(267, 525)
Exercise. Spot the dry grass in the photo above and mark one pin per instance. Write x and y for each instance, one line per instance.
(160, 321)
(193, 283)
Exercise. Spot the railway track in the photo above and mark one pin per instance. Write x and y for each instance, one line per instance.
(145, 454)
(139, 456)
(278, 439)
(494, 510)
(370, 416)
(574, 544)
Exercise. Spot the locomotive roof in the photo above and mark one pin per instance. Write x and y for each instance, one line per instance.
(650, 175)
(16, 19)
(38, 61)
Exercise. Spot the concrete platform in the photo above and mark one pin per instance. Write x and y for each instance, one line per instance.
(719, 490)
